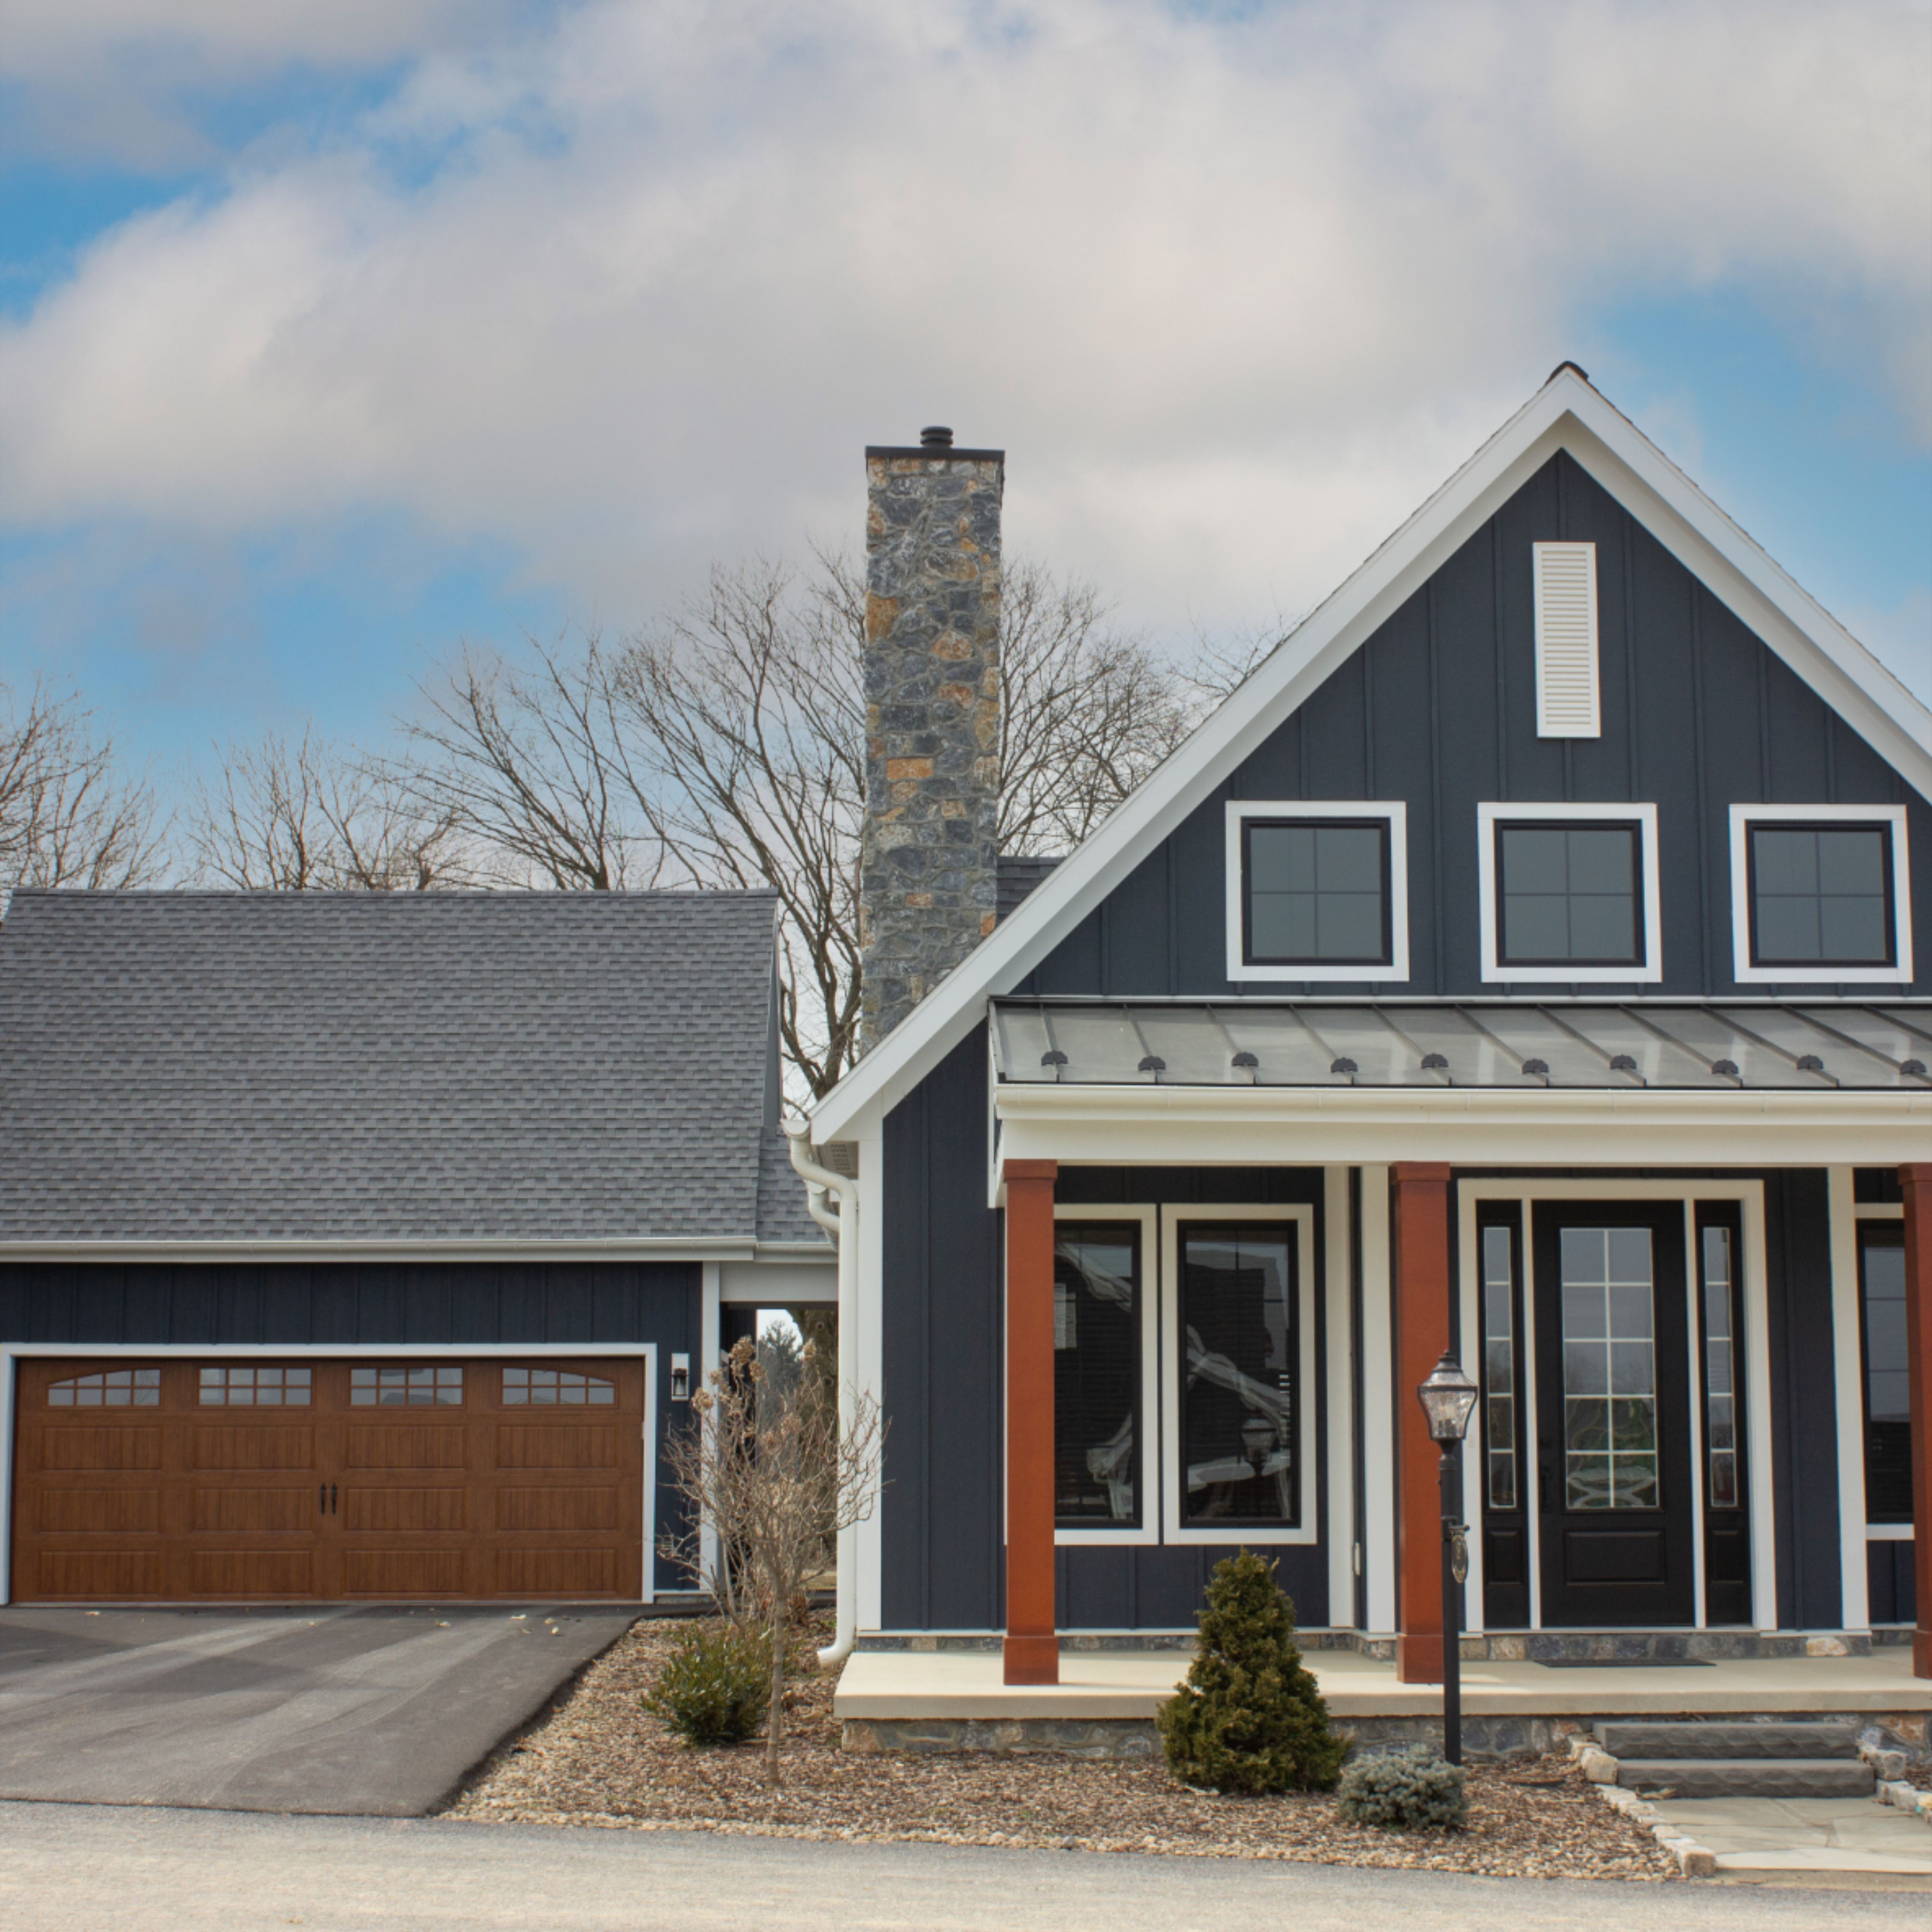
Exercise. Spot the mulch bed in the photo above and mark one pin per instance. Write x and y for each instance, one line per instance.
(597, 1759)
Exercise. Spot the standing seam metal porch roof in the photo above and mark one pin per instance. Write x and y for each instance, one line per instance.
(1613, 1046)
(351, 1067)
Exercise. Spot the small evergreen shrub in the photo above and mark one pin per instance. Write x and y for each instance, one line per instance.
(1408, 1790)
(1249, 1719)
(714, 1688)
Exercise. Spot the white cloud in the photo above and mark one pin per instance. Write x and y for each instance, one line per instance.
(630, 294)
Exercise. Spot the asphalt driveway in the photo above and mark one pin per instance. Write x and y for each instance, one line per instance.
(376, 1711)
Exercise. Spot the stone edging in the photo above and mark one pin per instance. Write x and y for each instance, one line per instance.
(1693, 1860)
(1906, 1798)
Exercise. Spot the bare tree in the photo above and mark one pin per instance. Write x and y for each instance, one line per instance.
(533, 762)
(309, 817)
(766, 1470)
(69, 814)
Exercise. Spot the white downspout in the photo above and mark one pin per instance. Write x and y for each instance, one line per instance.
(843, 1227)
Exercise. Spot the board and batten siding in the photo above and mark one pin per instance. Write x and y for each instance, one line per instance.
(319, 1305)
(1440, 708)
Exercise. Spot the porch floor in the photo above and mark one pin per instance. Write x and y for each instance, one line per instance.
(1130, 1684)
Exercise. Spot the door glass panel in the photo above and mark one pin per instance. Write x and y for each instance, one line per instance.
(1238, 1401)
(1610, 1369)
(112, 1388)
(405, 1388)
(1720, 1394)
(1499, 1367)
(554, 1387)
(1096, 1373)
(254, 1388)
(1888, 1382)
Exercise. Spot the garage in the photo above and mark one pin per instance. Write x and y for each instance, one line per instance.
(300, 1478)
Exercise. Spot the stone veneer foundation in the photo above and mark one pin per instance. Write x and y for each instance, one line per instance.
(929, 850)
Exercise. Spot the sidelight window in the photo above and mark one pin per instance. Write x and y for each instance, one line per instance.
(1718, 1251)
(1610, 1369)
(1239, 1329)
(1096, 1374)
(1499, 1376)
(1888, 1382)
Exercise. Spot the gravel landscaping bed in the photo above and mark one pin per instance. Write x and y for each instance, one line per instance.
(597, 1759)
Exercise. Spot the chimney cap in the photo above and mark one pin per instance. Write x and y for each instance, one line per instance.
(935, 436)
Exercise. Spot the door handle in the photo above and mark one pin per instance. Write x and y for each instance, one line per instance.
(321, 1498)
(333, 1509)
(1543, 1480)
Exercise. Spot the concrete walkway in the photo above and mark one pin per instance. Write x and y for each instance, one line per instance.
(1803, 1835)
(68, 1868)
(348, 1710)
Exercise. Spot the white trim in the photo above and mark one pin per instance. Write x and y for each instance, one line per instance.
(1490, 816)
(1567, 414)
(1549, 564)
(1469, 1352)
(1302, 1214)
(1535, 1126)
(861, 1356)
(726, 1248)
(1693, 1344)
(1887, 1532)
(1847, 1380)
(1378, 1422)
(763, 1284)
(12, 1354)
(710, 1349)
(1755, 1300)
(1146, 1474)
(1879, 1211)
(1746, 974)
(1395, 812)
(1338, 1417)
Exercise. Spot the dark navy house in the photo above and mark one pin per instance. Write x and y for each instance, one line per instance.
(1528, 960)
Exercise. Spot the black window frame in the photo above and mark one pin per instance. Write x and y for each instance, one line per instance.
(1377, 822)
(1888, 1232)
(1135, 1233)
(1640, 960)
(1288, 1231)
(1846, 969)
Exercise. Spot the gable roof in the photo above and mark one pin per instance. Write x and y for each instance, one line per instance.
(341, 1070)
(1566, 414)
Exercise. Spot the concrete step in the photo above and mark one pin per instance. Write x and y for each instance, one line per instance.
(1748, 1777)
(1805, 1738)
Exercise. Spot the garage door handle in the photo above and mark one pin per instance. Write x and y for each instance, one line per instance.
(332, 1509)
(321, 1498)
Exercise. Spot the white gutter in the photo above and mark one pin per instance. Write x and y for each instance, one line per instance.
(843, 1227)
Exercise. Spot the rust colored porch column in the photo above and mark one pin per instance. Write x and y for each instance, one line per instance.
(1420, 1191)
(1032, 1648)
(1916, 1180)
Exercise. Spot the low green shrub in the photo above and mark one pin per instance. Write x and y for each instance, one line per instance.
(1408, 1790)
(716, 1687)
(1249, 1719)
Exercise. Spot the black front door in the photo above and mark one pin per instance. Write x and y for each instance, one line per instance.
(1613, 1434)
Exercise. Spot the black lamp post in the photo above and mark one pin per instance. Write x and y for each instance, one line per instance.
(1447, 1397)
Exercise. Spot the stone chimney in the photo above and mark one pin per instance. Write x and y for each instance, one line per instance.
(929, 856)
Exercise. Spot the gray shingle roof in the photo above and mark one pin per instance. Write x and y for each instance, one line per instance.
(1015, 880)
(358, 1067)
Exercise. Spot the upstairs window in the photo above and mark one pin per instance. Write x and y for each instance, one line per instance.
(1317, 891)
(1819, 893)
(1569, 892)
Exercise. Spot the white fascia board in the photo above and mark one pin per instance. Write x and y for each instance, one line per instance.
(615, 1249)
(1565, 414)
(1541, 1127)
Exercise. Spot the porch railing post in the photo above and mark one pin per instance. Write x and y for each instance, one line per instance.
(1916, 1179)
(1032, 1647)
(1421, 1258)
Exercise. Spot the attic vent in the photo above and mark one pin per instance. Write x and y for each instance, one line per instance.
(842, 1156)
(1567, 704)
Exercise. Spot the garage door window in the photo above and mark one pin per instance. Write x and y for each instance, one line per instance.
(555, 1387)
(254, 1388)
(405, 1388)
(112, 1388)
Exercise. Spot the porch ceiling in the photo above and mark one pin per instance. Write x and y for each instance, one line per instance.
(1622, 1047)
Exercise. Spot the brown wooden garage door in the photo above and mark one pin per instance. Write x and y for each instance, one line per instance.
(189, 1481)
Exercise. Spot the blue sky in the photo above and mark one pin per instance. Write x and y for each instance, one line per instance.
(330, 337)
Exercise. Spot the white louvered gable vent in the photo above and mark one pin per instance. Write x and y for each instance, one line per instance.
(1567, 705)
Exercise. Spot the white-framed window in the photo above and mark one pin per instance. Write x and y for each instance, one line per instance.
(1106, 1386)
(1318, 890)
(1820, 894)
(1238, 1328)
(1569, 892)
